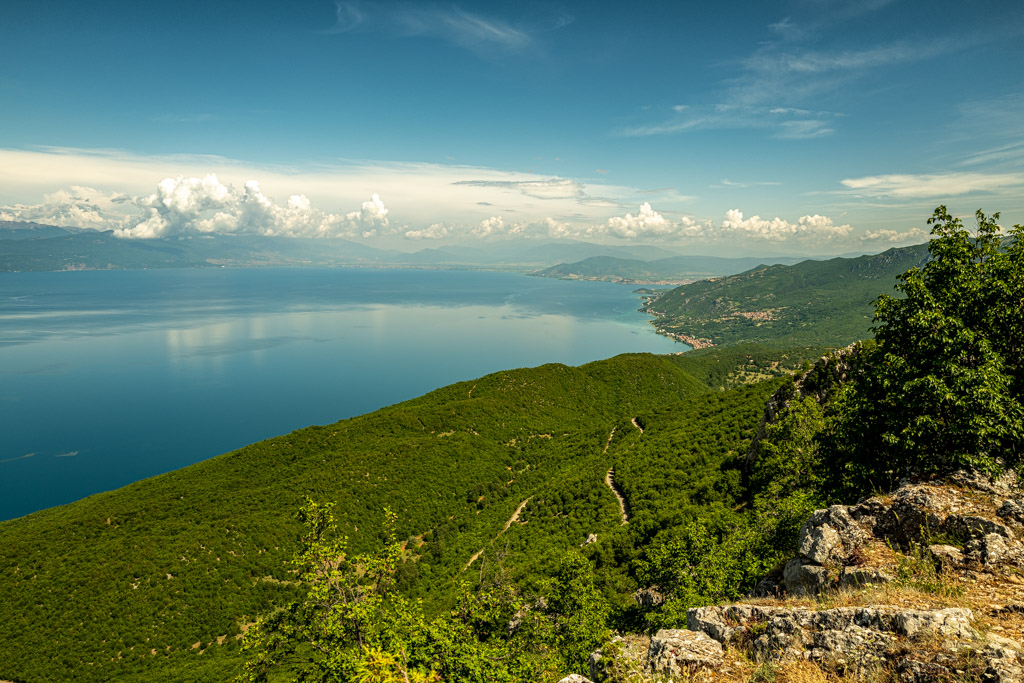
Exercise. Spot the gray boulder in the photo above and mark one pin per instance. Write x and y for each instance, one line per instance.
(830, 536)
(679, 653)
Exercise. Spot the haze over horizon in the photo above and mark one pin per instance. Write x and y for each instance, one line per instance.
(801, 127)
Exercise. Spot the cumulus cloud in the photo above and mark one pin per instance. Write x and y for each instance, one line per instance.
(435, 231)
(777, 229)
(646, 222)
(78, 207)
(495, 225)
(182, 206)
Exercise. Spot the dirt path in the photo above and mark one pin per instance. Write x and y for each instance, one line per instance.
(637, 425)
(511, 520)
(609, 479)
(609, 443)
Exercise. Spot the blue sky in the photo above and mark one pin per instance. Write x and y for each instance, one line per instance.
(810, 126)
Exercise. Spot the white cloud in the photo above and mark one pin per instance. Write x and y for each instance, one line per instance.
(435, 231)
(495, 225)
(814, 227)
(911, 236)
(932, 185)
(646, 223)
(420, 193)
(196, 205)
(206, 205)
(78, 206)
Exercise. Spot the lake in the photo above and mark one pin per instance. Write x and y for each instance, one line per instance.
(107, 377)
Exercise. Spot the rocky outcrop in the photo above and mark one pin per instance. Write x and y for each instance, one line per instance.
(671, 654)
(850, 545)
(963, 534)
(677, 653)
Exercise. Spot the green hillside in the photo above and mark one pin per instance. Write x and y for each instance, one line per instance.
(824, 303)
(155, 581)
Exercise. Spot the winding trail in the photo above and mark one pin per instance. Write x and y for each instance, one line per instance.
(609, 479)
(609, 443)
(637, 425)
(511, 520)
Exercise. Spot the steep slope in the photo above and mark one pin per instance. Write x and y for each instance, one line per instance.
(825, 303)
(156, 580)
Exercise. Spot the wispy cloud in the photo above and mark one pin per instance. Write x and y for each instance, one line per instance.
(932, 185)
(725, 182)
(548, 188)
(463, 28)
(470, 30)
(784, 122)
(20, 457)
(786, 85)
(348, 15)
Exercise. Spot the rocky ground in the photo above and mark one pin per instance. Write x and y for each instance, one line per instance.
(924, 584)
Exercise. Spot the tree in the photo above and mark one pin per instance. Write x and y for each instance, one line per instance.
(578, 611)
(941, 389)
(350, 623)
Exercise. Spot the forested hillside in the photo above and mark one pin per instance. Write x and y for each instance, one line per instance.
(155, 581)
(825, 303)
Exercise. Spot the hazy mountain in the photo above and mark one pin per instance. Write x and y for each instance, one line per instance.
(672, 269)
(30, 246)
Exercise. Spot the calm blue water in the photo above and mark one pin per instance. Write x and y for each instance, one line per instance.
(109, 377)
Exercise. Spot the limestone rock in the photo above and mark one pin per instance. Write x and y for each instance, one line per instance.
(947, 556)
(1012, 511)
(721, 622)
(575, 678)
(802, 577)
(995, 549)
(1004, 664)
(1005, 485)
(858, 577)
(830, 536)
(681, 652)
(951, 622)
